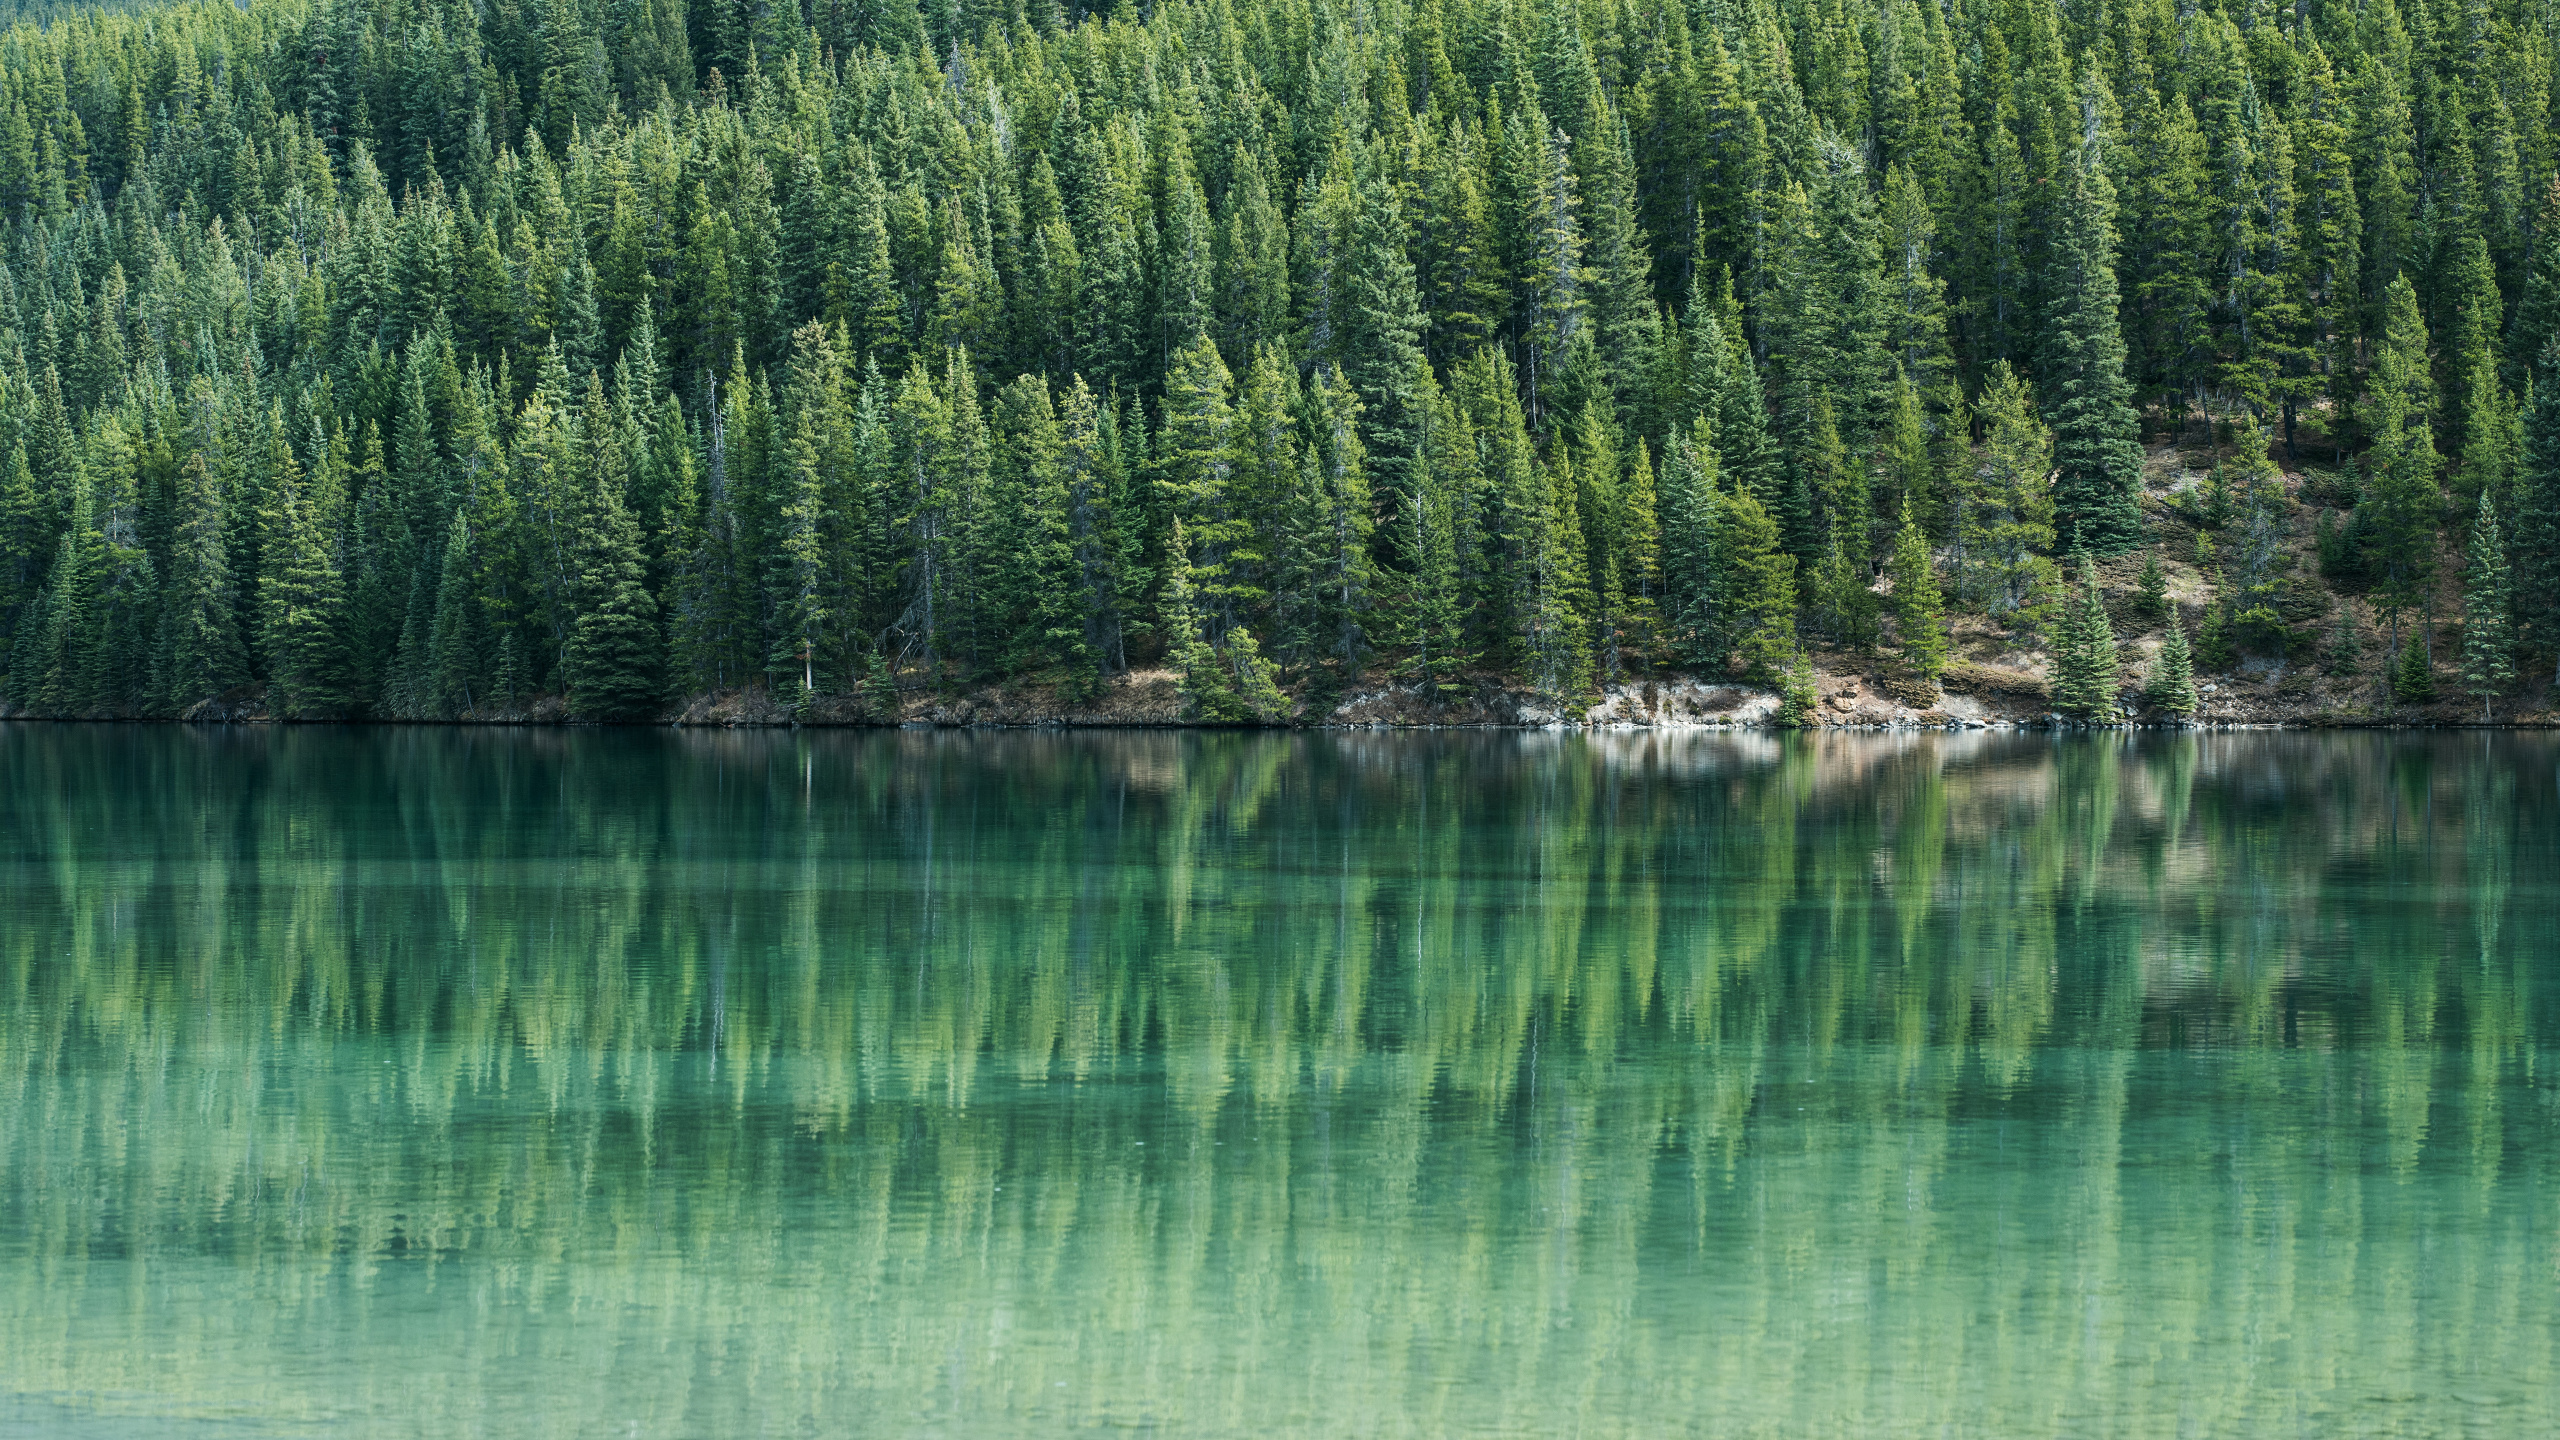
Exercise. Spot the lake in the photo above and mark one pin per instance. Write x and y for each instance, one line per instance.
(424, 1082)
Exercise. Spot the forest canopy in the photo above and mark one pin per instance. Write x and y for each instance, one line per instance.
(418, 358)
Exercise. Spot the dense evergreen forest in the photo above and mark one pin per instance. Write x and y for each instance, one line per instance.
(430, 359)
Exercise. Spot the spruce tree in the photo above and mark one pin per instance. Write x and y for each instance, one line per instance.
(2151, 594)
(2401, 497)
(1797, 694)
(1038, 589)
(2413, 680)
(2535, 531)
(455, 656)
(1760, 579)
(25, 546)
(2097, 485)
(2488, 641)
(303, 604)
(800, 580)
(2537, 317)
(1343, 517)
(615, 662)
(201, 655)
(1693, 561)
(2084, 652)
(2173, 677)
(1919, 610)
(2213, 647)
(49, 675)
(1436, 627)
(2005, 522)
(1555, 642)
(2344, 652)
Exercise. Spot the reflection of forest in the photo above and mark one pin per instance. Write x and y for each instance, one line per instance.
(1844, 1084)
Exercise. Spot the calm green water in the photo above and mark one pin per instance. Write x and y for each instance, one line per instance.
(416, 1082)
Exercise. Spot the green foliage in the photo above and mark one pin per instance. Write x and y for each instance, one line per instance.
(2413, 677)
(2097, 438)
(1760, 581)
(2084, 652)
(2402, 492)
(1796, 693)
(2488, 637)
(2216, 650)
(1919, 612)
(2343, 652)
(2151, 591)
(2004, 523)
(2172, 687)
(1463, 354)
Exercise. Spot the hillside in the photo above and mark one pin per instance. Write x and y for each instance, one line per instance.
(420, 361)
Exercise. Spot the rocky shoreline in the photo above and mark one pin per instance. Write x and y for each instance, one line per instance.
(1974, 696)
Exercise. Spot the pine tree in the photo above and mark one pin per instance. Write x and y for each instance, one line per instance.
(2173, 678)
(25, 545)
(2151, 593)
(2413, 679)
(2401, 495)
(1919, 610)
(201, 656)
(2084, 653)
(2535, 532)
(2344, 652)
(303, 603)
(2214, 649)
(2488, 641)
(455, 659)
(2005, 519)
(800, 582)
(1694, 579)
(1760, 578)
(615, 660)
(1437, 627)
(2097, 484)
(49, 675)
(1796, 693)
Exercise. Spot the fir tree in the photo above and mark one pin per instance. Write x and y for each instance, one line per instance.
(1760, 579)
(2172, 687)
(2084, 652)
(303, 604)
(2344, 652)
(1919, 611)
(2097, 483)
(2401, 492)
(48, 675)
(2413, 679)
(454, 647)
(1437, 628)
(2488, 645)
(201, 656)
(615, 662)
(1796, 692)
(2004, 522)
(24, 547)
(2151, 592)
(2213, 647)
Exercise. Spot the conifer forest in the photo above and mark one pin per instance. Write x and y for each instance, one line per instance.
(471, 359)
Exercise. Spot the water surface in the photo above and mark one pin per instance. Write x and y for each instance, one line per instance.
(427, 1082)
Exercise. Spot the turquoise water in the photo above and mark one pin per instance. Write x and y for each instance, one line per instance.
(544, 1083)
